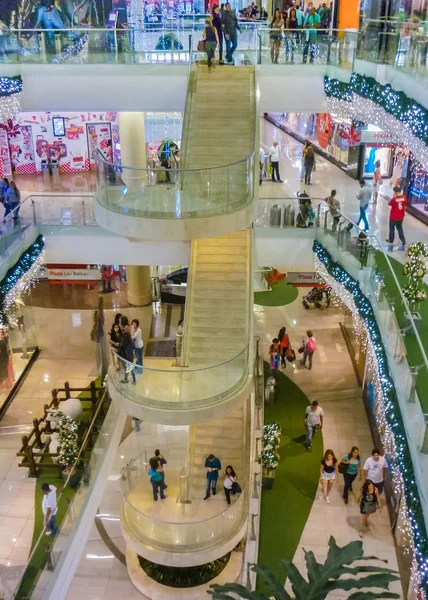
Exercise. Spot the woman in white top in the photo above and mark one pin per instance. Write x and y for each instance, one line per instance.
(229, 479)
(137, 338)
(377, 181)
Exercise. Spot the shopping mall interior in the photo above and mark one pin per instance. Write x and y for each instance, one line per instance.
(198, 399)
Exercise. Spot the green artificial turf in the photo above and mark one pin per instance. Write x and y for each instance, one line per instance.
(282, 293)
(286, 507)
(48, 475)
(414, 356)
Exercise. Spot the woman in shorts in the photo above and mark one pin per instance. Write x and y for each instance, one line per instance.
(369, 501)
(328, 471)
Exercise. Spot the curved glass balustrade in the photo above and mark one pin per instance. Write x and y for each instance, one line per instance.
(178, 388)
(188, 528)
(175, 193)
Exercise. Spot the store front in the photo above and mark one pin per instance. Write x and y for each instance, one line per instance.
(353, 147)
(417, 191)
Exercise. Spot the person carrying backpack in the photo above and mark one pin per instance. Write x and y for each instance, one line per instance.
(310, 347)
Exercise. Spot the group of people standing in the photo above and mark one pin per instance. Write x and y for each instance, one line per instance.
(281, 351)
(10, 197)
(127, 340)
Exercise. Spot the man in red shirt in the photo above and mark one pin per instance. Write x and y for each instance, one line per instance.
(398, 209)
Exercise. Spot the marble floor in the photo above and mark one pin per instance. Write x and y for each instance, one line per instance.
(333, 383)
(328, 177)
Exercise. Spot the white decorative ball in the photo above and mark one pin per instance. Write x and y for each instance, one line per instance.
(71, 408)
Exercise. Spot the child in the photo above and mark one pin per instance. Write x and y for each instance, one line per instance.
(274, 357)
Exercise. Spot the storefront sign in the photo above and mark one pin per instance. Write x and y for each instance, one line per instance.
(375, 137)
(298, 278)
(73, 274)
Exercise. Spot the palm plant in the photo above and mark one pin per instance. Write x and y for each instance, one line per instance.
(322, 578)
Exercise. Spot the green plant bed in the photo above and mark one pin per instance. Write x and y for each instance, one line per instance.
(184, 577)
(285, 508)
(414, 357)
(282, 293)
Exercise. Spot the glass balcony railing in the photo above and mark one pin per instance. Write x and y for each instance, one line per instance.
(195, 527)
(178, 389)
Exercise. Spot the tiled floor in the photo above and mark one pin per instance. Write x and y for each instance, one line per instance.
(333, 383)
(326, 178)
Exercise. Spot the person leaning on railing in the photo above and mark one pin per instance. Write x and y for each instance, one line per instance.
(312, 23)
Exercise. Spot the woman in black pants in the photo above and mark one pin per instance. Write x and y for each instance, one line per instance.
(216, 21)
(228, 481)
(353, 461)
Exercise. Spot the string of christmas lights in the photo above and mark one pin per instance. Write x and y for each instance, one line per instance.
(10, 97)
(271, 441)
(387, 414)
(76, 53)
(365, 99)
(20, 277)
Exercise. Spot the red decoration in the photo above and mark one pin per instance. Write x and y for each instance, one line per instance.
(324, 125)
(12, 130)
(352, 136)
(274, 277)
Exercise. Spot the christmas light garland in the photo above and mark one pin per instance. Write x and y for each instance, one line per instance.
(10, 97)
(365, 99)
(69, 440)
(20, 277)
(271, 441)
(387, 413)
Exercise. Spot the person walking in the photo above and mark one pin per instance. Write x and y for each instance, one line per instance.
(155, 472)
(126, 352)
(275, 35)
(314, 419)
(302, 170)
(334, 208)
(212, 467)
(13, 200)
(137, 340)
(229, 478)
(274, 357)
(284, 345)
(364, 196)
(353, 462)
(377, 181)
(398, 204)
(369, 501)
(309, 349)
(210, 37)
(328, 470)
(49, 508)
(274, 161)
(162, 462)
(309, 163)
(312, 23)
(216, 21)
(291, 26)
(230, 27)
(375, 469)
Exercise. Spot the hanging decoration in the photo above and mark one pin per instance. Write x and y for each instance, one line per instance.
(10, 97)
(69, 441)
(20, 277)
(387, 413)
(271, 441)
(415, 269)
(365, 99)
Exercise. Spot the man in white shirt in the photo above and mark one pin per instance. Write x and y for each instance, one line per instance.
(375, 469)
(49, 508)
(314, 419)
(274, 161)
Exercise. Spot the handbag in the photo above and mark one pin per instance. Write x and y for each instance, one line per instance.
(368, 507)
(236, 488)
(290, 355)
(270, 169)
(343, 468)
(301, 349)
(201, 46)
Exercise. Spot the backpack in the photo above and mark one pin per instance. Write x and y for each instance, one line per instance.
(311, 346)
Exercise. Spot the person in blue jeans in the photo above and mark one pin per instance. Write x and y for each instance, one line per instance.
(364, 196)
(212, 467)
(156, 475)
(49, 508)
(314, 419)
(230, 26)
(353, 461)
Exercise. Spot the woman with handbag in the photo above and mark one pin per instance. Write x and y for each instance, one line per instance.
(328, 470)
(369, 500)
(229, 483)
(216, 21)
(211, 41)
(377, 181)
(350, 467)
(284, 345)
(309, 346)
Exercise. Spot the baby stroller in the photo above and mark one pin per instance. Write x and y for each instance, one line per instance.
(316, 296)
(306, 214)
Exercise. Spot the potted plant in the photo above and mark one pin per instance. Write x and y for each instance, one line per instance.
(270, 457)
